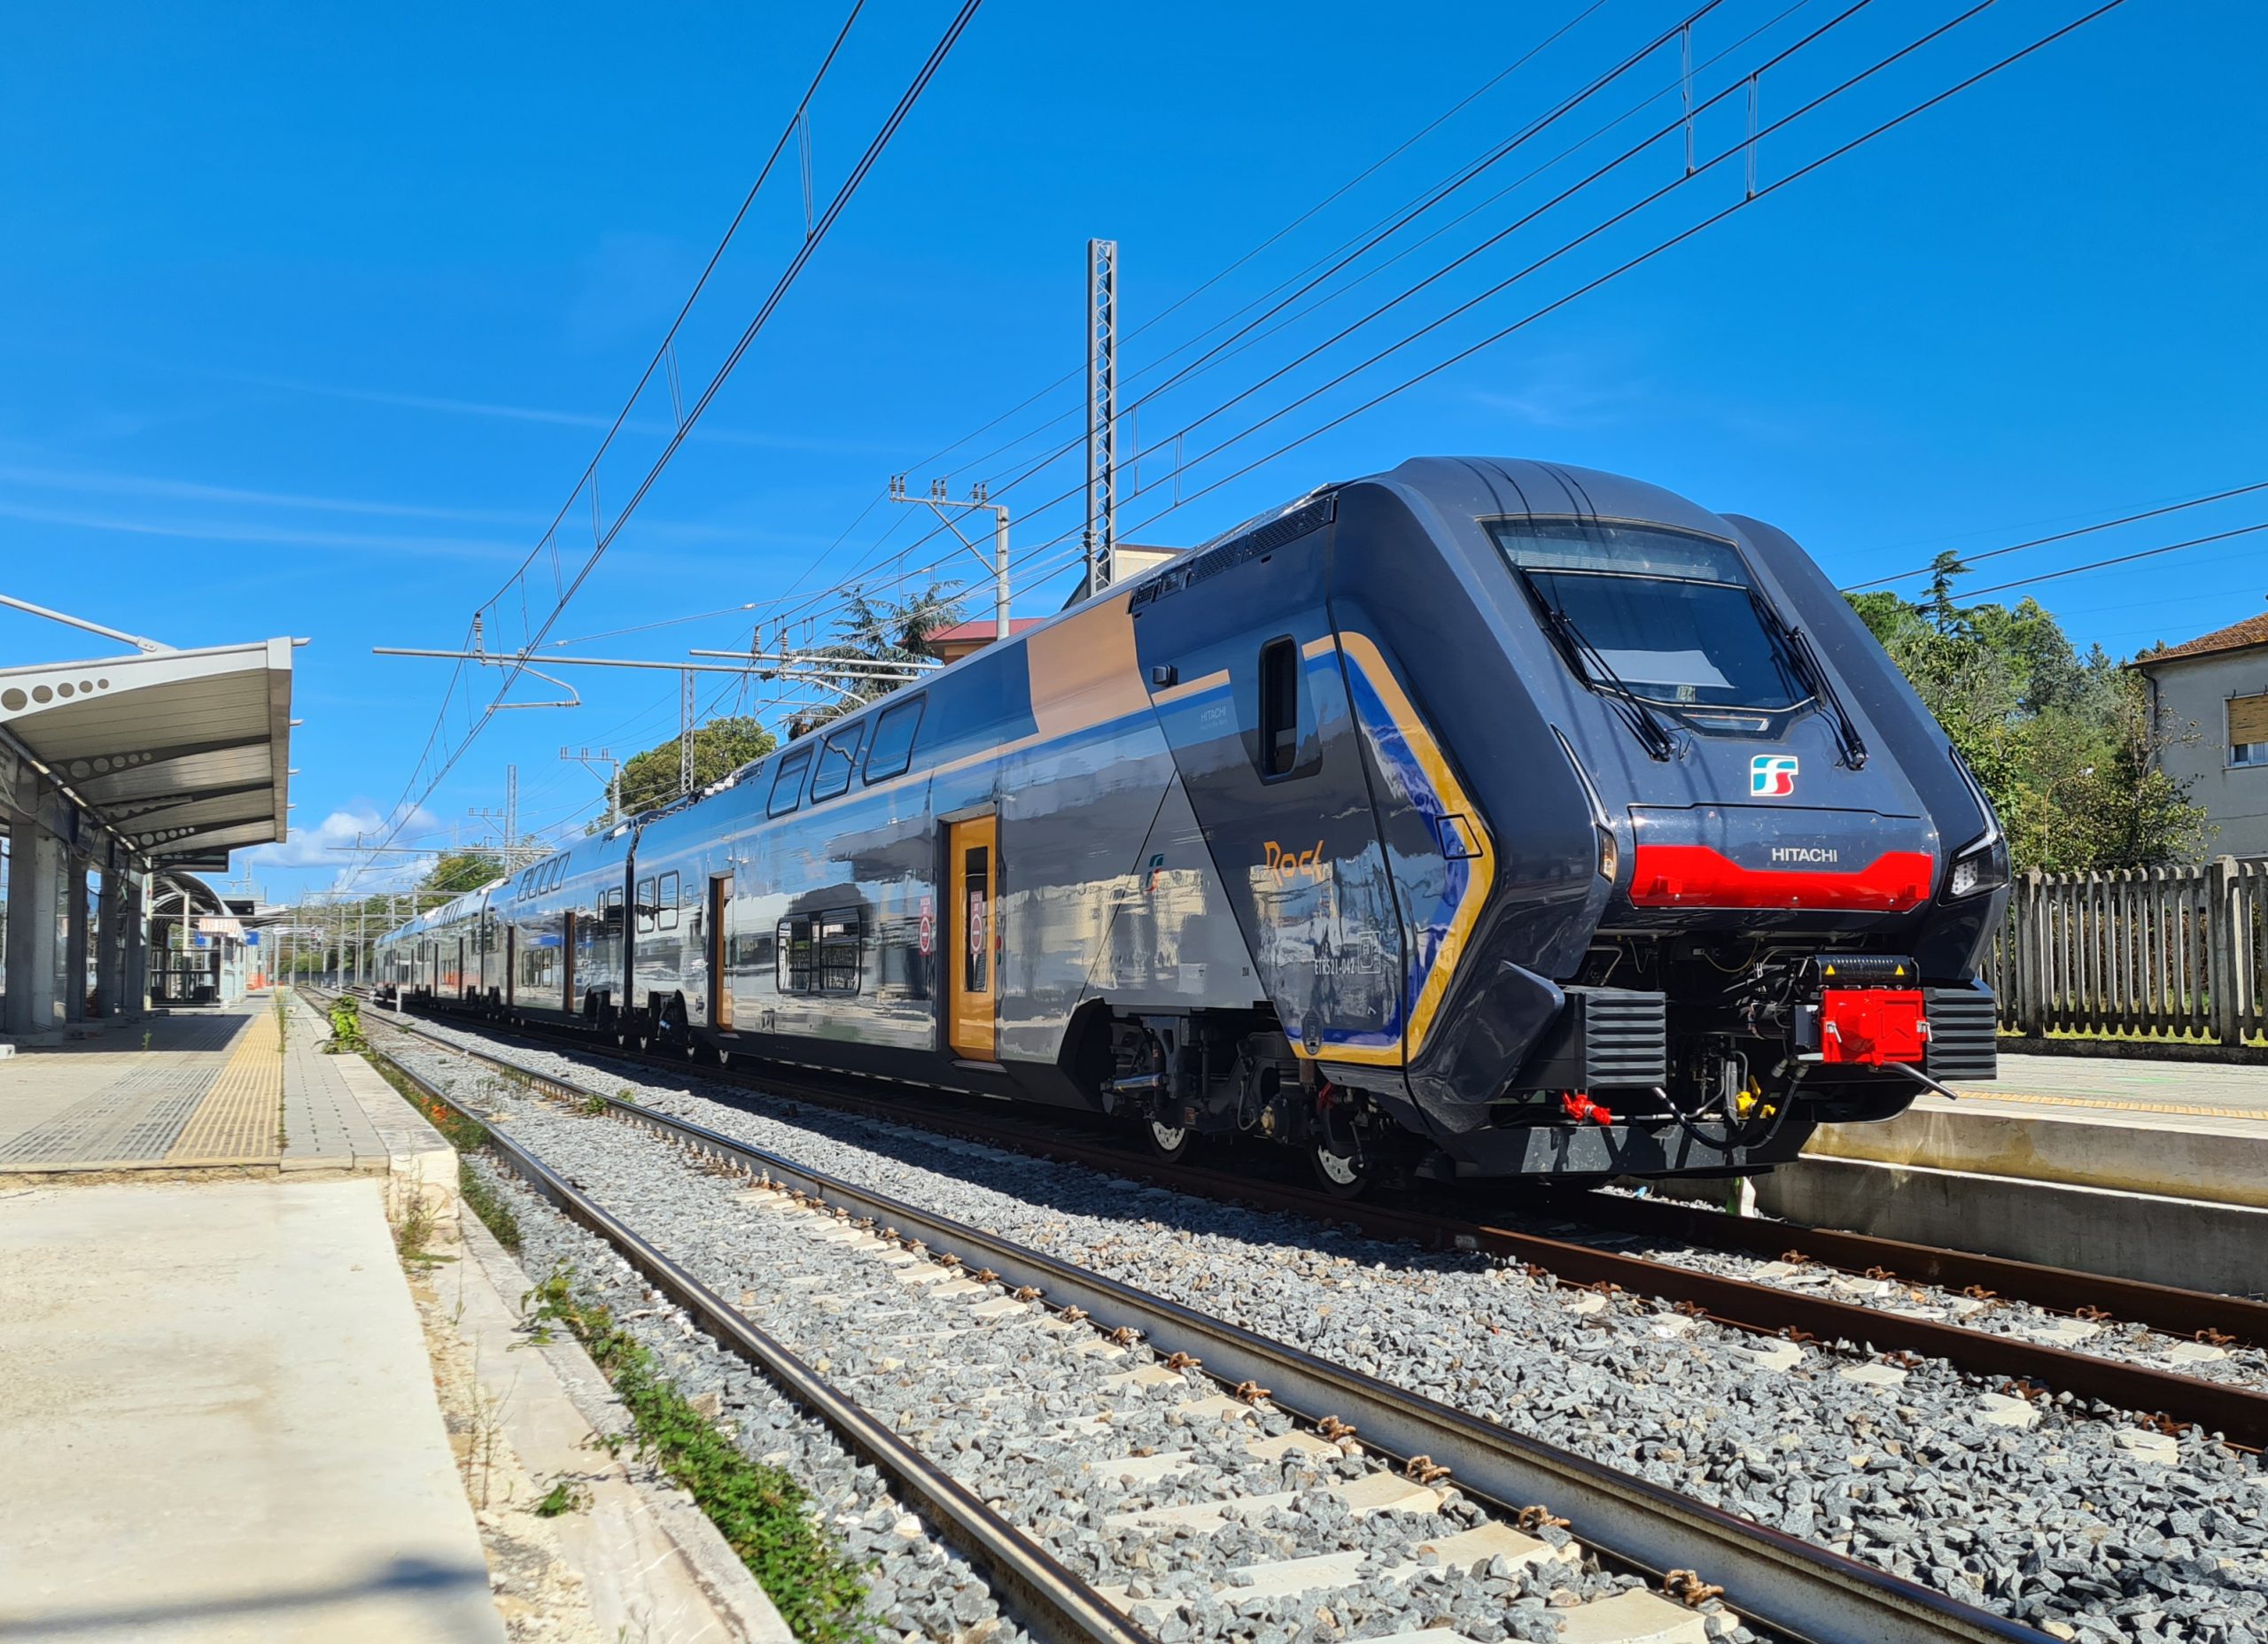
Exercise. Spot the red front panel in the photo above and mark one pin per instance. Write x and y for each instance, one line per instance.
(1872, 1025)
(1695, 876)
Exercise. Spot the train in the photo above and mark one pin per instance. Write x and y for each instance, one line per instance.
(1477, 818)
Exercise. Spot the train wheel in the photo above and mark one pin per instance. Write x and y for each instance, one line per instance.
(1170, 1143)
(1342, 1175)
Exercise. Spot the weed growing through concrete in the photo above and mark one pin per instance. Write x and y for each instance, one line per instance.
(145, 1038)
(346, 1026)
(763, 1513)
(562, 1498)
(413, 1235)
(467, 1138)
(594, 1105)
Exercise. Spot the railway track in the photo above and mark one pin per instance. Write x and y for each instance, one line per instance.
(1778, 1583)
(2164, 1397)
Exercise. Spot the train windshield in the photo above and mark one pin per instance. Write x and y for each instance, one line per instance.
(1663, 615)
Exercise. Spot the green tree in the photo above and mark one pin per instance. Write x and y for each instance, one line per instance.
(459, 871)
(880, 631)
(720, 748)
(2066, 745)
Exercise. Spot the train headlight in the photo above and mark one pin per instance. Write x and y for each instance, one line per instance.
(1983, 867)
(1610, 854)
(1983, 864)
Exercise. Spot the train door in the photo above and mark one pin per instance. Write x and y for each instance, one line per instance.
(511, 964)
(567, 1000)
(462, 986)
(972, 1017)
(720, 984)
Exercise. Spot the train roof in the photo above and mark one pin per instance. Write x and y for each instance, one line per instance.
(1480, 487)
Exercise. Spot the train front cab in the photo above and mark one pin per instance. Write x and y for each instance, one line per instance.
(1603, 1016)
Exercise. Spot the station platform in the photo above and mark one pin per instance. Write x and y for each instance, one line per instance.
(2147, 1169)
(229, 1090)
(219, 1414)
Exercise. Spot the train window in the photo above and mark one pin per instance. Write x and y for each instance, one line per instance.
(1279, 706)
(838, 756)
(665, 903)
(645, 905)
(977, 948)
(1652, 613)
(787, 783)
(820, 952)
(892, 748)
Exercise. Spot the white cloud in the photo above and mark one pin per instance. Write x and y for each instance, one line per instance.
(448, 548)
(146, 485)
(331, 843)
(1567, 391)
(703, 431)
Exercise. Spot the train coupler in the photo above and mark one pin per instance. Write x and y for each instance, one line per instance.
(1578, 1106)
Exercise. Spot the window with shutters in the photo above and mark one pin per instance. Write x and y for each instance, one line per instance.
(2249, 730)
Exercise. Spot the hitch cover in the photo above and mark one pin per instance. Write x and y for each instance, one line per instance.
(1871, 1026)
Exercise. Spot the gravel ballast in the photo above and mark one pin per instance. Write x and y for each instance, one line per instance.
(918, 1588)
(2053, 1513)
(1074, 1438)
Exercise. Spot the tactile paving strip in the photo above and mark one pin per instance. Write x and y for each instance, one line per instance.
(1989, 1093)
(241, 1114)
(137, 1117)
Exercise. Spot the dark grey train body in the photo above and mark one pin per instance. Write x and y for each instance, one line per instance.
(1486, 817)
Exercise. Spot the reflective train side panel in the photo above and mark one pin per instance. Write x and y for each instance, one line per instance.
(1478, 817)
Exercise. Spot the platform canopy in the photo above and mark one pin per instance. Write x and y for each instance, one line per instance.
(185, 755)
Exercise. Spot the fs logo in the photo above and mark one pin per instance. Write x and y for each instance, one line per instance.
(1772, 776)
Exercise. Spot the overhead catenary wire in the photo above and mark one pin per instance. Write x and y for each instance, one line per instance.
(2116, 559)
(1043, 549)
(1647, 255)
(814, 236)
(2066, 536)
(1001, 485)
(1689, 233)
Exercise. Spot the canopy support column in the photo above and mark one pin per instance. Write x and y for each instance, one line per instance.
(35, 883)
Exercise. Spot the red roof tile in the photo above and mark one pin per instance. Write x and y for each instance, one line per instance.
(983, 630)
(2236, 637)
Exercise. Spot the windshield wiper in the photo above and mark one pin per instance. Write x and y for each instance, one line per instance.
(1591, 666)
(1816, 677)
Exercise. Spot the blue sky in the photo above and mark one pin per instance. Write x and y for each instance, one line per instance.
(315, 317)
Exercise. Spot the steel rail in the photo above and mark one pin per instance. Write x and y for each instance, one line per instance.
(1782, 1583)
(2238, 1414)
(2165, 1307)
(1054, 1602)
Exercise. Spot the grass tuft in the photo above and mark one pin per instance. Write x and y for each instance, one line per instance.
(562, 1498)
(468, 1136)
(763, 1513)
(488, 1204)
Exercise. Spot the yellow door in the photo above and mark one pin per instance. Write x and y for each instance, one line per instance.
(720, 985)
(974, 954)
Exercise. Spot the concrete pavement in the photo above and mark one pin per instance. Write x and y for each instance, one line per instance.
(219, 1423)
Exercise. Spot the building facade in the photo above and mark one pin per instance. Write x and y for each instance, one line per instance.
(2218, 686)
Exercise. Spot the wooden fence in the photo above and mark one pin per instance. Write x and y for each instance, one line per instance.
(2173, 953)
